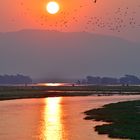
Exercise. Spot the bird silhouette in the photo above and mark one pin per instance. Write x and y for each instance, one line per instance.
(95, 1)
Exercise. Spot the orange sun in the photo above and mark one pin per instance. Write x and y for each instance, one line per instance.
(52, 7)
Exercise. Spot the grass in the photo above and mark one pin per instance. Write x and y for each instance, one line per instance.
(7, 93)
(123, 118)
(17, 92)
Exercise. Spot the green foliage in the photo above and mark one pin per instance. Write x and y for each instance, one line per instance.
(124, 118)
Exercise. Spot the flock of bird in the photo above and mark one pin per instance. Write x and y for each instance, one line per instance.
(121, 19)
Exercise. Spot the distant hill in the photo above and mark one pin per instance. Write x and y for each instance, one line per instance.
(42, 53)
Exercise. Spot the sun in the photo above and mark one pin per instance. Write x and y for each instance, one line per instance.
(52, 7)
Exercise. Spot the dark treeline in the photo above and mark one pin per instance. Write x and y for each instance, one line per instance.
(15, 79)
(127, 79)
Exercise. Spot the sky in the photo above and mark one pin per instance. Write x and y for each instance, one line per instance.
(106, 43)
(114, 17)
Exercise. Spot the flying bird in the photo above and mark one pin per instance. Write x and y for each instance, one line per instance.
(95, 1)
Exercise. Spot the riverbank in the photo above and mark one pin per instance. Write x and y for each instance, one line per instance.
(19, 92)
(38, 94)
(123, 119)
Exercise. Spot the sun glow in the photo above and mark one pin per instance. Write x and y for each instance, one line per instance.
(52, 116)
(52, 7)
(51, 84)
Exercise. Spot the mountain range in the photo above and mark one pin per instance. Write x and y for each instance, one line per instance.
(52, 54)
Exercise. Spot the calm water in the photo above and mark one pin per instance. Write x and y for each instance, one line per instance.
(52, 118)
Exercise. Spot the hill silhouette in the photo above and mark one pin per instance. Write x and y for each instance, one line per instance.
(52, 54)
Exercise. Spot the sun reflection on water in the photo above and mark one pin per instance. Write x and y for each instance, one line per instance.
(52, 119)
(51, 84)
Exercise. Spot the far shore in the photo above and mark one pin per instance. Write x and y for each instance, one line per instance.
(21, 92)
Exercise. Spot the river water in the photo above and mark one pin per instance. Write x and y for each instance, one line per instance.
(59, 118)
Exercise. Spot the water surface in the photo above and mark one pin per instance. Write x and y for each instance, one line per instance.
(58, 118)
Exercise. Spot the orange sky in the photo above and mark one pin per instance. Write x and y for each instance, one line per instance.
(75, 15)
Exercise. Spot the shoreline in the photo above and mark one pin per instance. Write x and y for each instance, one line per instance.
(120, 120)
(44, 94)
(40, 95)
(24, 92)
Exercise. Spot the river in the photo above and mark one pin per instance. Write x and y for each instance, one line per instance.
(59, 118)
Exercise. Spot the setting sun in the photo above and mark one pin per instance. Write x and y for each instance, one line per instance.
(52, 7)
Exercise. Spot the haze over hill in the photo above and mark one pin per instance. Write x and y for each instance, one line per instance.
(52, 54)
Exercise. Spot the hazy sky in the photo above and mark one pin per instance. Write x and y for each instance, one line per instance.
(67, 55)
(57, 54)
(116, 17)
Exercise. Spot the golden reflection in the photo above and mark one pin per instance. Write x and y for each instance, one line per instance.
(53, 84)
(52, 119)
(50, 84)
